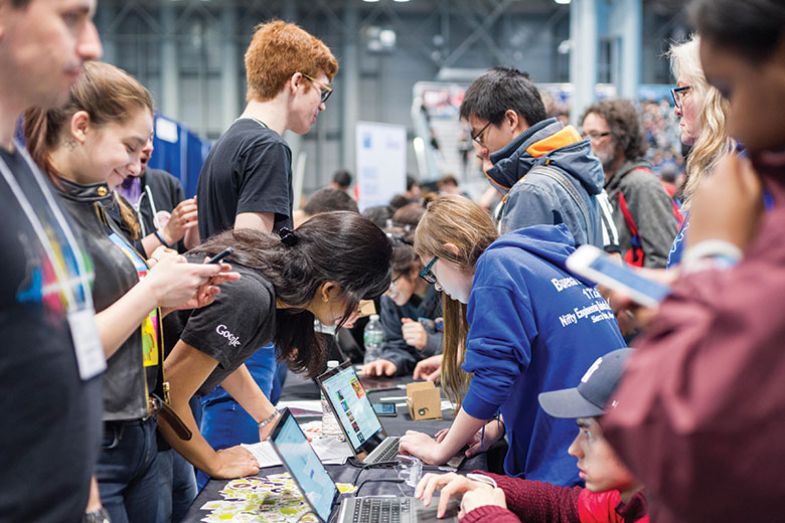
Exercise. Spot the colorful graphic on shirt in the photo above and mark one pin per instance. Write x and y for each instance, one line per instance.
(150, 325)
(42, 284)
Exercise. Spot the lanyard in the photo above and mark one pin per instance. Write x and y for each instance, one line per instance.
(57, 262)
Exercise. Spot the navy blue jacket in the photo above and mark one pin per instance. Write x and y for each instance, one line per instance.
(533, 327)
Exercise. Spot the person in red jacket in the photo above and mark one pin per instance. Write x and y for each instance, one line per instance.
(612, 494)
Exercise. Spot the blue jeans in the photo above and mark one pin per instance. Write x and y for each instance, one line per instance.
(127, 471)
(177, 486)
(224, 423)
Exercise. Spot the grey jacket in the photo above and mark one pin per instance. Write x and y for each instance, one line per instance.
(540, 199)
(650, 207)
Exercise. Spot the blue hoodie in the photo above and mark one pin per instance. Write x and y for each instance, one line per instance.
(533, 327)
(542, 200)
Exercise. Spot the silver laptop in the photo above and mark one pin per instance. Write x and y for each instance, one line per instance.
(321, 494)
(354, 412)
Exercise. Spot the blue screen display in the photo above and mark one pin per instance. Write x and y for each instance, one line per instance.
(305, 467)
(355, 412)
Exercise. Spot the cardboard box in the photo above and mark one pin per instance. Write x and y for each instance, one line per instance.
(424, 400)
(367, 307)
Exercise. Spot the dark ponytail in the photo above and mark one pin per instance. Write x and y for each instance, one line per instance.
(341, 247)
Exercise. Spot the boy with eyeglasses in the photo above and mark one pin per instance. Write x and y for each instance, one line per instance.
(545, 171)
(246, 181)
(612, 494)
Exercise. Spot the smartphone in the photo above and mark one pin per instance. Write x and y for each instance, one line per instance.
(221, 255)
(385, 409)
(596, 265)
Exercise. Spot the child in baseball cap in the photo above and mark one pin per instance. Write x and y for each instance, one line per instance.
(611, 494)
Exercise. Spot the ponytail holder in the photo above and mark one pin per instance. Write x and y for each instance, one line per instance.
(288, 237)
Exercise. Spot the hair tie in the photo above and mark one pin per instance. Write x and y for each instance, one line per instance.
(288, 237)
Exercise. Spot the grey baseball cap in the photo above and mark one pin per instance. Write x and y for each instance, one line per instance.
(591, 396)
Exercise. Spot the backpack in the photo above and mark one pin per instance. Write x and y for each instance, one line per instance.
(635, 255)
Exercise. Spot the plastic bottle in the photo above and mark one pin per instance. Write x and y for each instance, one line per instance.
(373, 336)
(330, 427)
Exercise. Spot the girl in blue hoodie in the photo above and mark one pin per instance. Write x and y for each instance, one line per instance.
(516, 323)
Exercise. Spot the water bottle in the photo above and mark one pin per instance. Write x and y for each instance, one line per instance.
(373, 338)
(330, 427)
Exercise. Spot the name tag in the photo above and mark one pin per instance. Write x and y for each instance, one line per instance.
(87, 343)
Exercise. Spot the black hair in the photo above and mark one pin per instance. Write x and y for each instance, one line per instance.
(341, 247)
(624, 123)
(411, 181)
(328, 200)
(398, 201)
(342, 178)
(753, 28)
(379, 214)
(500, 89)
(19, 4)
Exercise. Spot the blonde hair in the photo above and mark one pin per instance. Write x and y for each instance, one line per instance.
(460, 222)
(713, 141)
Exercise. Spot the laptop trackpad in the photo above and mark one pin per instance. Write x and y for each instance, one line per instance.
(428, 514)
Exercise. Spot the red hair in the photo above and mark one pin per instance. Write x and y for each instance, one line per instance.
(278, 50)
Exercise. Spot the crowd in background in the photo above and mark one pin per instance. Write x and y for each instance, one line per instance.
(149, 335)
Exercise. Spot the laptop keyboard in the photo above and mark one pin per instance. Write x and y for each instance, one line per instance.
(384, 452)
(380, 510)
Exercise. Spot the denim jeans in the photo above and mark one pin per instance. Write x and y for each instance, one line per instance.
(177, 486)
(224, 423)
(127, 471)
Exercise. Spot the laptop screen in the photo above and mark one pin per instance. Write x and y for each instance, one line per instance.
(304, 465)
(355, 412)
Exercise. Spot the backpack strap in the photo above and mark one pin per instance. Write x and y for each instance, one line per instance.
(635, 254)
(559, 177)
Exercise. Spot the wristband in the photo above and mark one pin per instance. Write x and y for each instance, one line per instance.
(712, 254)
(161, 239)
(269, 419)
(482, 478)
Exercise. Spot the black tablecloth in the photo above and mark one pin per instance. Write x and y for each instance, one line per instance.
(298, 388)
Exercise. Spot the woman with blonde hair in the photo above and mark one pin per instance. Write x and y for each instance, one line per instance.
(516, 324)
(702, 113)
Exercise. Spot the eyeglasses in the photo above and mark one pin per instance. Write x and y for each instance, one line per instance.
(678, 94)
(594, 135)
(477, 138)
(325, 89)
(426, 273)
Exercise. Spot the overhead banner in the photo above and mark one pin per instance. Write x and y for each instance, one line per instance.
(381, 163)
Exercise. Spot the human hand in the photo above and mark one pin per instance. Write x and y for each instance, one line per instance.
(728, 205)
(177, 284)
(494, 430)
(234, 462)
(481, 498)
(414, 333)
(184, 217)
(450, 485)
(422, 446)
(439, 436)
(428, 369)
(630, 315)
(379, 368)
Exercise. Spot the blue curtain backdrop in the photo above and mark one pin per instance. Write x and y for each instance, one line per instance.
(179, 152)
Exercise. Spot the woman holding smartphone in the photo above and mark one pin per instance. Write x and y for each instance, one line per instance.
(516, 323)
(88, 147)
(321, 272)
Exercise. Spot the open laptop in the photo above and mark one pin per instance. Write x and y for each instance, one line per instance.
(354, 412)
(322, 494)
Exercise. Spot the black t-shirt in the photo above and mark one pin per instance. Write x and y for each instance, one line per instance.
(234, 326)
(51, 417)
(249, 169)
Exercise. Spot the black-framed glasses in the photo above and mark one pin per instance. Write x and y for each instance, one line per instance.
(427, 274)
(678, 94)
(325, 90)
(477, 138)
(594, 135)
